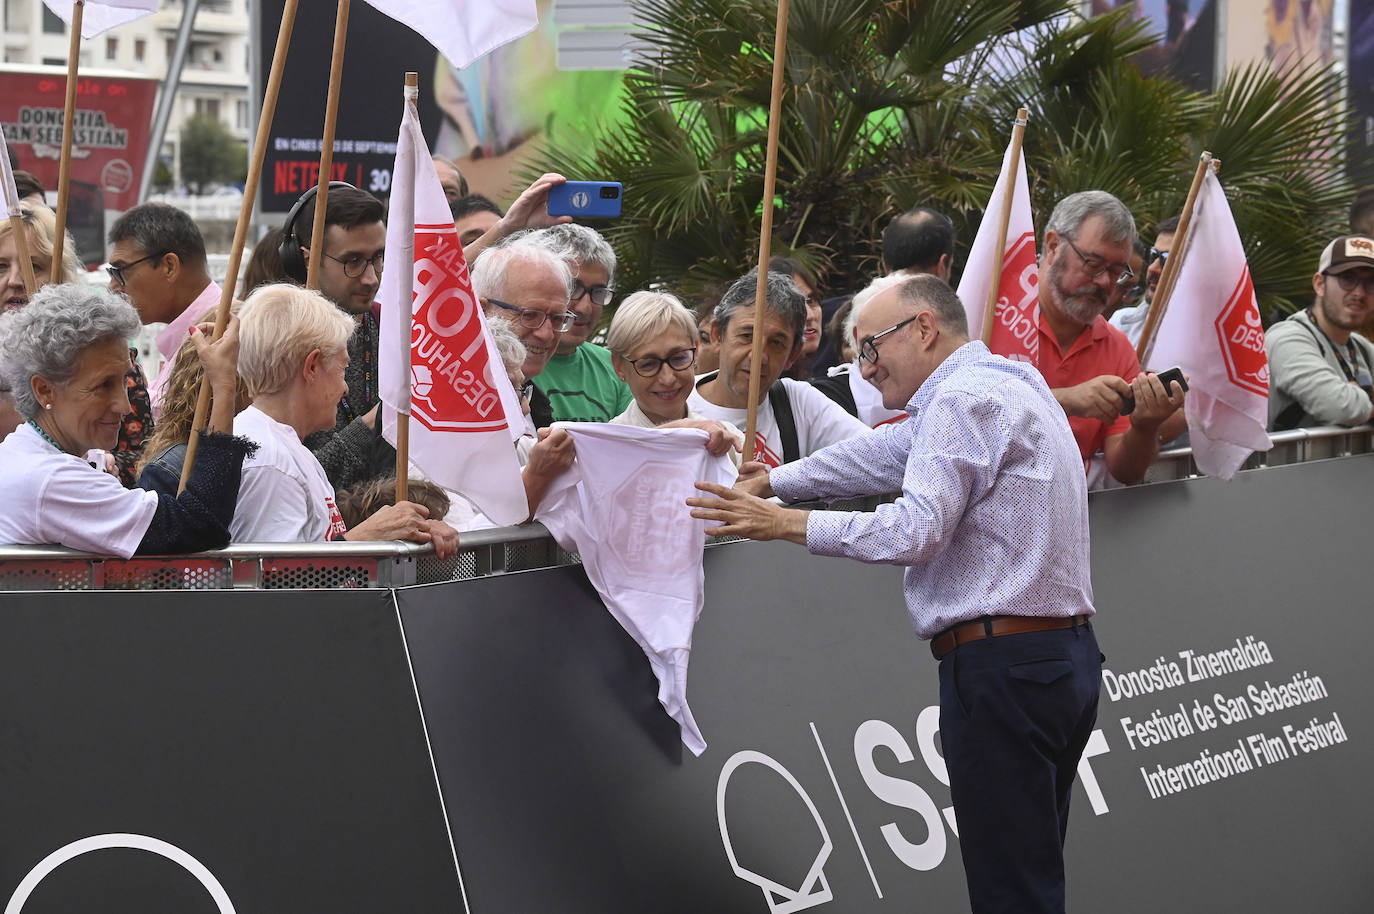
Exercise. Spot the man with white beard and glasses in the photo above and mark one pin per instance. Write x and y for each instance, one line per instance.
(1090, 366)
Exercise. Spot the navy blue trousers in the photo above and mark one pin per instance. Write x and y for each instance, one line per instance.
(1015, 714)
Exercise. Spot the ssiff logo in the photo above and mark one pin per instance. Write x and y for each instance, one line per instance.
(782, 899)
(1242, 339)
(119, 840)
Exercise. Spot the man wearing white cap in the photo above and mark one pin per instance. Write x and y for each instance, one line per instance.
(1320, 371)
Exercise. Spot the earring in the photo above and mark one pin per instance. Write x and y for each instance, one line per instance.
(47, 406)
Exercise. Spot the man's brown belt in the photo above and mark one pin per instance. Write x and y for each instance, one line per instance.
(995, 626)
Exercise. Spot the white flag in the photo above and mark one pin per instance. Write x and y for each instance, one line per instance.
(1016, 331)
(622, 508)
(464, 30)
(436, 358)
(9, 193)
(102, 15)
(1212, 330)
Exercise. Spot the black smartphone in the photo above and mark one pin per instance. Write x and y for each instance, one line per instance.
(1166, 377)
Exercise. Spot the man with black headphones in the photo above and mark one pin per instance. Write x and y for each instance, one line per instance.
(1320, 371)
(350, 274)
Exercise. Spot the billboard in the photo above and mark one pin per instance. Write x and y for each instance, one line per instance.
(486, 116)
(110, 131)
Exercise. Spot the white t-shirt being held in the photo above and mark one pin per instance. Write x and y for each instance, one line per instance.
(285, 496)
(820, 421)
(52, 497)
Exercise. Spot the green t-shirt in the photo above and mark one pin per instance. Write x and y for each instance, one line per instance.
(582, 386)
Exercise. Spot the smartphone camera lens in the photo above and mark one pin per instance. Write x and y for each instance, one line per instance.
(610, 193)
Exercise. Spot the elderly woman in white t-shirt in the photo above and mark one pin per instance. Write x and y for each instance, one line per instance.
(653, 344)
(294, 349)
(65, 356)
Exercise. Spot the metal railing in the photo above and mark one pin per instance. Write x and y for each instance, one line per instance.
(268, 566)
(1296, 446)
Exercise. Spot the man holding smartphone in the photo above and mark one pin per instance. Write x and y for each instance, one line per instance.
(578, 380)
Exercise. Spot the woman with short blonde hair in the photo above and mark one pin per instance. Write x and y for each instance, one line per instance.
(292, 355)
(653, 343)
(40, 224)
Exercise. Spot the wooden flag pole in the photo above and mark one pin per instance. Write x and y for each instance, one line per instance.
(250, 193)
(331, 117)
(770, 175)
(1018, 134)
(64, 173)
(403, 419)
(21, 250)
(10, 193)
(1169, 277)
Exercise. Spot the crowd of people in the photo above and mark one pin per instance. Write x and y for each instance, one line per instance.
(295, 431)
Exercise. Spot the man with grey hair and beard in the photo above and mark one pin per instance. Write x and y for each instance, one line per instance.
(1091, 366)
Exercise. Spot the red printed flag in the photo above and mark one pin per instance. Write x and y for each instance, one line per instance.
(1212, 330)
(1015, 333)
(464, 413)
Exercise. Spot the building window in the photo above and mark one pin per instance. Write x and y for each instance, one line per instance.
(207, 107)
(140, 47)
(52, 23)
(111, 48)
(171, 47)
(241, 114)
(54, 61)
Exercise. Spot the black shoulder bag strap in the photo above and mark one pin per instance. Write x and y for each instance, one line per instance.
(787, 423)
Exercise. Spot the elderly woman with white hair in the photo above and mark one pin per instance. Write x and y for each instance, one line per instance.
(653, 343)
(292, 357)
(40, 231)
(65, 358)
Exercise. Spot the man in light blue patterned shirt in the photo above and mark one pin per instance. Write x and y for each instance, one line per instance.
(992, 525)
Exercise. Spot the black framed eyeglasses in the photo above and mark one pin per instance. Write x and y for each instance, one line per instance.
(1157, 254)
(1119, 273)
(534, 318)
(651, 365)
(117, 273)
(868, 346)
(600, 295)
(1348, 281)
(356, 265)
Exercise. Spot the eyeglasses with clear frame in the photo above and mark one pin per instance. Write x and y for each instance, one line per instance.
(651, 365)
(533, 318)
(356, 265)
(1119, 273)
(868, 346)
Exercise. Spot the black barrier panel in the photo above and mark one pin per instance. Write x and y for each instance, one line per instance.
(271, 738)
(569, 792)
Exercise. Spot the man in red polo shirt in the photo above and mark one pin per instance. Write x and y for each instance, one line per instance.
(1091, 366)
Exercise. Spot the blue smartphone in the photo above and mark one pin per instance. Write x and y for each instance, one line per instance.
(585, 199)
